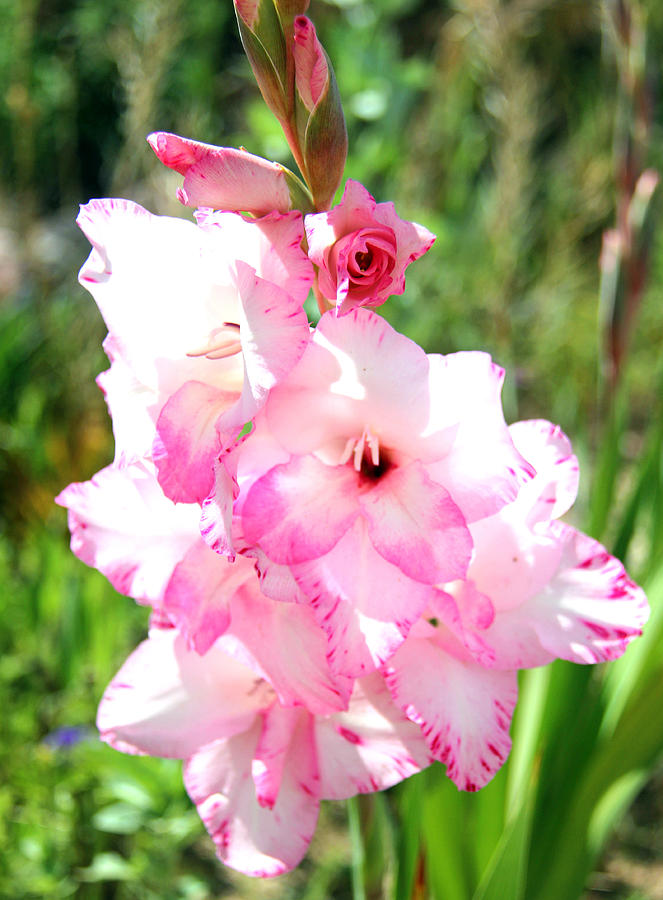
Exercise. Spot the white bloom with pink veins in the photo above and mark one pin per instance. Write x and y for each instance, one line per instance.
(151, 549)
(557, 593)
(366, 466)
(203, 320)
(362, 249)
(122, 524)
(256, 766)
(536, 590)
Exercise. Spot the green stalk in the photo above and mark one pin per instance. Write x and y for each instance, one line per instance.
(358, 851)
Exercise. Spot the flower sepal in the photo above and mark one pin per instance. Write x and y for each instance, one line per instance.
(264, 43)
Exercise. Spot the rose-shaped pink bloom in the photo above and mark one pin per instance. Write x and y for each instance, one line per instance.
(362, 249)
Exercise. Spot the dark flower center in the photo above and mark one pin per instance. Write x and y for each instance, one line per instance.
(364, 259)
(371, 472)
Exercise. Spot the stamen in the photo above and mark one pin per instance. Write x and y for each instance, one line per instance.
(373, 445)
(347, 451)
(359, 451)
(356, 448)
(222, 342)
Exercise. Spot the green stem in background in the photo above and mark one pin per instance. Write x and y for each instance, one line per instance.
(358, 850)
(625, 256)
(533, 691)
(410, 877)
(607, 464)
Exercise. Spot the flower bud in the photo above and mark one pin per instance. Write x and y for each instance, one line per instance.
(230, 179)
(320, 121)
(264, 44)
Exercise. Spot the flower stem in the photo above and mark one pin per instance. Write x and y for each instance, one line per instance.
(358, 854)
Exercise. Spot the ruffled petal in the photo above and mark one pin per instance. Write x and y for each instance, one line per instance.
(356, 372)
(272, 245)
(188, 442)
(271, 754)
(511, 561)
(414, 524)
(122, 524)
(587, 612)
(132, 407)
(370, 747)
(166, 700)
(245, 462)
(364, 604)
(554, 488)
(163, 286)
(300, 510)
(466, 444)
(283, 643)
(274, 333)
(216, 519)
(464, 709)
(200, 591)
(256, 840)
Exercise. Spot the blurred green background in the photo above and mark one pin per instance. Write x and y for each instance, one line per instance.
(511, 130)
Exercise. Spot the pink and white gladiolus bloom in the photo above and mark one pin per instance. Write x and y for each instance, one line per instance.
(203, 319)
(255, 766)
(347, 553)
(367, 466)
(362, 249)
(346, 590)
(536, 590)
(150, 548)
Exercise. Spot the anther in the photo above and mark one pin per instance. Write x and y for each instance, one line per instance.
(357, 447)
(222, 342)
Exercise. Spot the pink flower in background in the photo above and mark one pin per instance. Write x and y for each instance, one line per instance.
(365, 468)
(258, 763)
(362, 249)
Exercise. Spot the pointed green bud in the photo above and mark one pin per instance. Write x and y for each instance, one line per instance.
(320, 121)
(264, 44)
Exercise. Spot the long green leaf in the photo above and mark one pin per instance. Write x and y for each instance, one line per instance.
(358, 852)
(443, 824)
(409, 838)
(506, 874)
(635, 746)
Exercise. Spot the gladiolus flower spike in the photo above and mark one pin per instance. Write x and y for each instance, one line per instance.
(347, 553)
